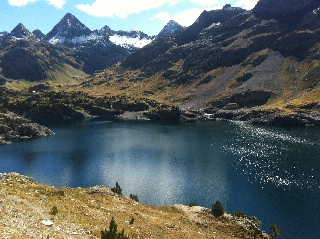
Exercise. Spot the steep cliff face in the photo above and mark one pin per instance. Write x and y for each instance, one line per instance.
(285, 11)
(237, 56)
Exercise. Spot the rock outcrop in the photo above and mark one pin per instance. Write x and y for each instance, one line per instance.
(288, 12)
(13, 127)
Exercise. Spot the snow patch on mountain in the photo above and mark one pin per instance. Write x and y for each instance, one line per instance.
(213, 25)
(129, 42)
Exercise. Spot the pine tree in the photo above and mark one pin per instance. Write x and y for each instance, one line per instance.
(275, 229)
(217, 209)
(113, 232)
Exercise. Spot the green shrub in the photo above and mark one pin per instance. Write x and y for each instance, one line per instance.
(275, 229)
(113, 233)
(192, 204)
(217, 209)
(134, 197)
(253, 219)
(117, 189)
(58, 193)
(54, 211)
(132, 220)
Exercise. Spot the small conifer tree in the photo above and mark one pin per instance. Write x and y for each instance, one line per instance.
(275, 229)
(113, 233)
(54, 210)
(217, 209)
(134, 197)
(117, 189)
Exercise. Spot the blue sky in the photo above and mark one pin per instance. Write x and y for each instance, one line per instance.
(148, 16)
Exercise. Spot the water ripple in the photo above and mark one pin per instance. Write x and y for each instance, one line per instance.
(264, 155)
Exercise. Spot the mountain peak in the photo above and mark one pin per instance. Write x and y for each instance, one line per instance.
(20, 31)
(67, 29)
(106, 30)
(170, 28)
(38, 34)
(285, 11)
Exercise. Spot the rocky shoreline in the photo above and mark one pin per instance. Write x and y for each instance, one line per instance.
(253, 116)
(14, 127)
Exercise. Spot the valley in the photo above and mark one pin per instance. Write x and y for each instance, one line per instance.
(231, 63)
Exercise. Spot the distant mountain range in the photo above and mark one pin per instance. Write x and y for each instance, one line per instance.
(84, 49)
(71, 32)
(231, 61)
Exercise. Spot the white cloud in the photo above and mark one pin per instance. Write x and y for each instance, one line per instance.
(185, 18)
(57, 3)
(162, 16)
(174, 2)
(188, 17)
(246, 4)
(119, 8)
(20, 3)
(207, 3)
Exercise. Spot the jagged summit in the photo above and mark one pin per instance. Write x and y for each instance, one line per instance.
(106, 30)
(69, 29)
(170, 28)
(39, 34)
(285, 11)
(20, 31)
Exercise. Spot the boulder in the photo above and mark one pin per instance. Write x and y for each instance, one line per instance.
(47, 223)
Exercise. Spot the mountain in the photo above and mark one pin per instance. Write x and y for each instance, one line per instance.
(69, 30)
(20, 31)
(283, 11)
(2, 34)
(33, 60)
(241, 64)
(131, 40)
(87, 50)
(38, 34)
(170, 28)
(236, 59)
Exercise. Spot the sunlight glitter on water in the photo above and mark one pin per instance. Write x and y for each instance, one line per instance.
(263, 155)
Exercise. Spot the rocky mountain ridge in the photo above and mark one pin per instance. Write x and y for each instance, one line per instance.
(70, 31)
(172, 27)
(231, 63)
(89, 50)
(245, 58)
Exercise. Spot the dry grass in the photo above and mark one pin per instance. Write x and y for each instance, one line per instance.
(83, 213)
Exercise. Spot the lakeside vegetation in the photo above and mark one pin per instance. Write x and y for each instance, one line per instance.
(86, 212)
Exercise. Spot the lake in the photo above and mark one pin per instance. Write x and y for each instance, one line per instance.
(270, 172)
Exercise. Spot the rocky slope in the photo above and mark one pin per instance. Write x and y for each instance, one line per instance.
(70, 48)
(260, 65)
(171, 28)
(13, 127)
(261, 58)
(26, 211)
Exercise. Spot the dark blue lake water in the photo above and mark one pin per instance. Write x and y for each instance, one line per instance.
(272, 173)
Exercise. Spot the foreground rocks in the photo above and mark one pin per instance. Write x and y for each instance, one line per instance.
(26, 212)
(13, 127)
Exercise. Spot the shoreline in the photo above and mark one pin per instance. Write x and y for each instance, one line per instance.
(14, 127)
(84, 212)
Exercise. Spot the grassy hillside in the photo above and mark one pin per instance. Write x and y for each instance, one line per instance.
(84, 212)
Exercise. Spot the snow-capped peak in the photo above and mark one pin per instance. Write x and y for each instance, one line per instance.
(68, 29)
